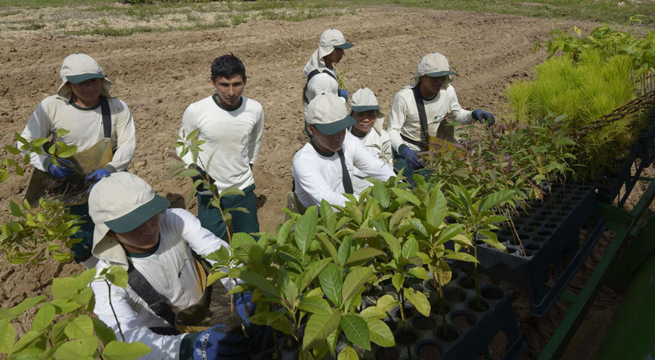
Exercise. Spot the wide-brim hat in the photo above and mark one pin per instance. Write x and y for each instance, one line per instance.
(77, 68)
(327, 112)
(120, 202)
(435, 65)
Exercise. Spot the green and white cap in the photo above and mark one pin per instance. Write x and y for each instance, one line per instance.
(434, 65)
(78, 68)
(364, 100)
(120, 202)
(328, 114)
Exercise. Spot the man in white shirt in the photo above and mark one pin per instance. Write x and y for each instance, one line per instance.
(319, 70)
(323, 168)
(364, 108)
(79, 105)
(136, 230)
(419, 111)
(232, 127)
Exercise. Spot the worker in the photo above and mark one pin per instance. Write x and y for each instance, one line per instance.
(232, 126)
(419, 111)
(84, 107)
(364, 108)
(320, 72)
(323, 168)
(158, 246)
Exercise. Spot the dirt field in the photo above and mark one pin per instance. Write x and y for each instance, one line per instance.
(159, 75)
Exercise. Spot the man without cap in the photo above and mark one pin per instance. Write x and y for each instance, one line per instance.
(420, 110)
(319, 70)
(323, 168)
(136, 230)
(78, 107)
(364, 108)
(232, 127)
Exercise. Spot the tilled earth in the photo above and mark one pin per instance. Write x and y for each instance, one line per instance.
(159, 75)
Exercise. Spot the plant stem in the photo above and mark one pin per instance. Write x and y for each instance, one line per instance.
(443, 312)
(120, 331)
(475, 266)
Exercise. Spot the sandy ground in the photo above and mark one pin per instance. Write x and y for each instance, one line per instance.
(159, 75)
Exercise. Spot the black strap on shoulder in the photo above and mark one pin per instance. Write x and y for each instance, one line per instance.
(309, 77)
(106, 116)
(156, 301)
(347, 182)
(423, 118)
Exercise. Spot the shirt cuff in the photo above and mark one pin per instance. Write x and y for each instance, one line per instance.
(110, 168)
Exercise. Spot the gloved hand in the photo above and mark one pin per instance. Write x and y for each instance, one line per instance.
(482, 116)
(344, 94)
(97, 175)
(245, 309)
(216, 343)
(63, 169)
(412, 159)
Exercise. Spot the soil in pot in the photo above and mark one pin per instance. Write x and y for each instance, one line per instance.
(449, 335)
(467, 283)
(455, 295)
(391, 353)
(478, 306)
(406, 337)
(424, 323)
(429, 352)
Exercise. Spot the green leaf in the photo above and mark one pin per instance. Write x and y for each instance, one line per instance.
(85, 278)
(331, 280)
(362, 233)
(250, 254)
(12, 150)
(15, 209)
(348, 353)
(104, 332)
(44, 317)
(117, 275)
(356, 329)
(419, 272)
(419, 300)
(81, 327)
(406, 195)
(449, 232)
(215, 276)
(312, 271)
(398, 280)
(259, 282)
(61, 132)
(79, 349)
(393, 243)
(7, 336)
(66, 151)
(380, 332)
(64, 306)
(318, 328)
(344, 251)
(23, 306)
(461, 256)
(387, 303)
(230, 192)
(364, 254)
(381, 193)
(437, 208)
(373, 312)
(118, 350)
(306, 229)
(496, 199)
(355, 280)
(410, 248)
(29, 338)
(315, 305)
(328, 246)
(399, 215)
(188, 173)
(241, 238)
(279, 321)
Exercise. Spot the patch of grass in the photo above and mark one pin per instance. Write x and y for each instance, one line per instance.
(239, 19)
(33, 26)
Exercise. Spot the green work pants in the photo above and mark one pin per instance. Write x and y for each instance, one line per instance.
(211, 219)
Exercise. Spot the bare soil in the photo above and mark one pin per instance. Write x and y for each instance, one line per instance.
(159, 75)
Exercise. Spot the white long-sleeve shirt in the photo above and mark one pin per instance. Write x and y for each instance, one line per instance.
(379, 145)
(319, 176)
(232, 139)
(404, 119)
(171, 271)
(85, 128)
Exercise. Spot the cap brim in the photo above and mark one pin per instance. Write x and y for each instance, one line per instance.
(337, 126)
(344, 46)
(140, 215)
(441, 73)
(76, 79)
(364, 108)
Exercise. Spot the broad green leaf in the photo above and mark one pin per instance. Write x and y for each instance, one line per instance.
(84, 297)
(241, 238)
(66, 151)
(418, 225)
(283, 232)
(103, 332)
(85, 278)
(348, 353)
(230, 192)
(215, 276)
(461, 256)
(364, 254)
(291, 292)
(318, 328)
(312, 271)
(373, 312)
(64, 306)
(437, 208)
(331, 280)
(398, 280)
(380, 332)
(381, 193)
(188, 173)
(496, 199)
(279, 321)
(29, 338)
(356, 330)
(419, 300)
(61, 132)
(362, 233)
(406, 195)
(260, 282)
(79, 349)
(250, 254)
(449, 232)
(117, 275)
(333, 340)
(419, 272)
(15, 209)
(81, 327)
(344, 251)
(12, 150)
(398, 216)
(23, 306)
(7, 336)
(118, 350)
(315, 305)
(410, 248)
(328, 246)
(44, 317)
(393, 243)
(355, 280)
(306, 229)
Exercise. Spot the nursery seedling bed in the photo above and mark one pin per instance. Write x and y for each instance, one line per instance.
(556, 236)
(469, 329)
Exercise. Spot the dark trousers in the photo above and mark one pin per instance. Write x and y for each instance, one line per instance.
(211, 219)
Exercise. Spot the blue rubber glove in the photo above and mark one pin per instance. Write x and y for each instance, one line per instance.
(65, 168)
(217, 343)
(482, 116)
(344, 94)
(242, 302)
(412, 159)
(97, 175)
